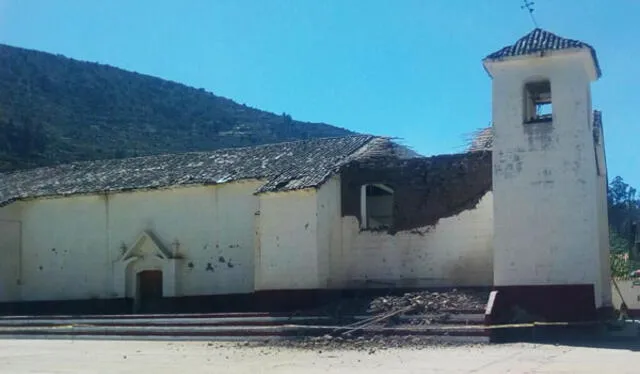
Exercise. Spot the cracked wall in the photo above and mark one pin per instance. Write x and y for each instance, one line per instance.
(71, 246)
(545, 180)
(287, 254)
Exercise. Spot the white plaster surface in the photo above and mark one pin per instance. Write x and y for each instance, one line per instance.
(329, 234)
(64, 249)
(71, 247)
(603, 223)
(224, 239)
(10, 228)
(457, 251)
(288, 254)
(544, 179)
(9, 265)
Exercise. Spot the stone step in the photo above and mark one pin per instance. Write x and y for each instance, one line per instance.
(148, 316)
(213, 331)
(448, 319)
(443, 339)
(167, 321)
(443, 318)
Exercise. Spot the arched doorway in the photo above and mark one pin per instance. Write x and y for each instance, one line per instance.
(147, 273)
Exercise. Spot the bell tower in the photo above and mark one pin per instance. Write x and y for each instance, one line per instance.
(549, 223)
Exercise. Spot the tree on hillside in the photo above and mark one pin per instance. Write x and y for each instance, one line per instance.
(21, 142)
(619, 259)
(624, 207)
(624, 211)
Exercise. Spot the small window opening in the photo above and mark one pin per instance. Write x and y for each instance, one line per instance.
(538, 107)
(376, 204)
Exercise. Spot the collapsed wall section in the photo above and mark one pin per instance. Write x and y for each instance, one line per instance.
(441, 229)
(425, 189)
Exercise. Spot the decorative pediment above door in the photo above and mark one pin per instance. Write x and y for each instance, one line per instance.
(148, 245)
(147, 252)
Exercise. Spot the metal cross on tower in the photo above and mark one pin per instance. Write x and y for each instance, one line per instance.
(528, 5)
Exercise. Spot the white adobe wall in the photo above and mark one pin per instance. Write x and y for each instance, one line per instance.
(603, 241)
(287, 251)
(329, 234)
(603, 223)
(213, 226)
(544, 182)
(70, 245)
(10, 228)
(64, 249)
(457, 251)
(306, 244)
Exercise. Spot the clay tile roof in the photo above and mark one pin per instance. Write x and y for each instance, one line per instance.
(282, 166)
(540, 40)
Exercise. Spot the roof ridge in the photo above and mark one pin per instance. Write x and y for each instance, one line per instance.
(302, 164)
(191, 153)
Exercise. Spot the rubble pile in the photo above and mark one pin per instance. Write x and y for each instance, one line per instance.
(421, 302)
(429, 302)
(415, 309)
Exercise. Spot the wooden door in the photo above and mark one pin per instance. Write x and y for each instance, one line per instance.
(149, 290)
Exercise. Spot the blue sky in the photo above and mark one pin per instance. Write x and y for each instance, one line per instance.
(405, 68)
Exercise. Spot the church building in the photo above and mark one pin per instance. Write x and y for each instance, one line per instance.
(523, 211)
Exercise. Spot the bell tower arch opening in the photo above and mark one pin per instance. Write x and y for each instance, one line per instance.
(537, 101)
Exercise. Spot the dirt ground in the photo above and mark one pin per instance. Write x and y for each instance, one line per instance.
(158, 357)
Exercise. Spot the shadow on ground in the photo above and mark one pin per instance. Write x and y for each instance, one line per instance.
(627, 344)
(606, 336)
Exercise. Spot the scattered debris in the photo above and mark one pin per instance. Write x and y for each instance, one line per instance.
(361, 343)
(428, 308)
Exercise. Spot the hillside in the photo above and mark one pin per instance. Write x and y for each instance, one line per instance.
(55, 109)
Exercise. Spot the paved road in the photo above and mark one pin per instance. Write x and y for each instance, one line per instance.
(157, 357)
